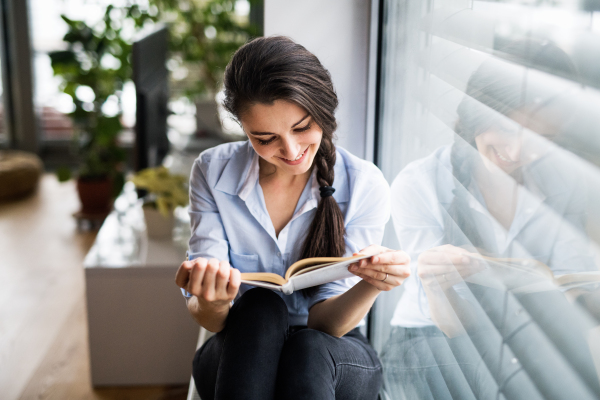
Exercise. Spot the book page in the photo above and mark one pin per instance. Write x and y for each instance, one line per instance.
(316, 263)
(308, 269)
(263, 277)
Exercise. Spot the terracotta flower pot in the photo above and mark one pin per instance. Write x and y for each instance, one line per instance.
(95, 195)
(157, 225)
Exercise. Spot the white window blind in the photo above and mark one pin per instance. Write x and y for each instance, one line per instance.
(489, 134)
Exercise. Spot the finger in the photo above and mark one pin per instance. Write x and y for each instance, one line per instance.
(391, 257)
(208, 284)
(372, 249)
(392, 269)
(352, 266)
(384, 286)
(383, 268)
(400, 271)
(377, 275)
(194, 286)
(222, 278)
(235, 279)
(182, 276)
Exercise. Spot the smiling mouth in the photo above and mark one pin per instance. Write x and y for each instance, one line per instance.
(297, 158)
(504, 159)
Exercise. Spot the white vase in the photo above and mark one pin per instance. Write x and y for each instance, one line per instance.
(157, 225)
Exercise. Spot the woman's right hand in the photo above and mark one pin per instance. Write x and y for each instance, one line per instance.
(213, 282)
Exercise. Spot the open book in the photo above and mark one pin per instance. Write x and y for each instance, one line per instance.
(304, 273)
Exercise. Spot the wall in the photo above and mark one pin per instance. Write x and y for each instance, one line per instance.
(336, 31)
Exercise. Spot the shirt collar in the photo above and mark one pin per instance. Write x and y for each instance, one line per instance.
(238, 170)
(240, 176)
(248, 184)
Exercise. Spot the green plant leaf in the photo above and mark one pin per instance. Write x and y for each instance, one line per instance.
(63, 174)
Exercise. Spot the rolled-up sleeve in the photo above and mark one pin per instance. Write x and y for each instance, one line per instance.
(367, 215)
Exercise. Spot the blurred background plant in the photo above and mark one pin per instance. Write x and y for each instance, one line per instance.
(203, 36)
(96, 65)
(166, 191)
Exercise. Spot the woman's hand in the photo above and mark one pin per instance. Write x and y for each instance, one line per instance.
(213, 282)
(385, 270)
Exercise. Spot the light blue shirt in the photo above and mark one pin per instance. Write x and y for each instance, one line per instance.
(229, 218)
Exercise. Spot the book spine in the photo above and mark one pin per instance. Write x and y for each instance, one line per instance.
(288, 288)
(265, 285)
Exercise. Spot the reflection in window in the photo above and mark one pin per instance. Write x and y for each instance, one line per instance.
(489, 140)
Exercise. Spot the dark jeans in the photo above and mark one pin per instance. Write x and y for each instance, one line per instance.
(258, 356)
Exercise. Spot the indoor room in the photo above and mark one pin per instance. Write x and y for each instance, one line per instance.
(369, 174)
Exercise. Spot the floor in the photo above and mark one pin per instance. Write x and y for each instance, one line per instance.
(43, 329)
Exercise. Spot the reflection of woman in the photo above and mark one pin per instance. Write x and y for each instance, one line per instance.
(498, 191)
(261, 205)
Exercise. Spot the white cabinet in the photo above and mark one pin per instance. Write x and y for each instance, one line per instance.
(140, 331)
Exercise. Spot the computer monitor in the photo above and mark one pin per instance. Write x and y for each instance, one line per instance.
(151, 80)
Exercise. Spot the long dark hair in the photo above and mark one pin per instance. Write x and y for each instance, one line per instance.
(276, 68)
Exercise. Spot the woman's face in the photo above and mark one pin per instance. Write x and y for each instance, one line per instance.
(283, 134)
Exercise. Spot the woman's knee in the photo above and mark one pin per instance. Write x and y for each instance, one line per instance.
(205, 366)
(306, 368)
(259, 307)
(307, 348)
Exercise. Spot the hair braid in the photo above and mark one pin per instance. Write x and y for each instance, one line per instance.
(328, 225)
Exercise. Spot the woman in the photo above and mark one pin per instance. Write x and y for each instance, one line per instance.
(261, 205)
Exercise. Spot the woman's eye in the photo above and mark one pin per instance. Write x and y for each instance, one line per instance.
(304, 128)
(265, 142)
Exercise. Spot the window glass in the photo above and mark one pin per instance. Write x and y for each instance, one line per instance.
(47, 32)
(4, 138)
(488, 136)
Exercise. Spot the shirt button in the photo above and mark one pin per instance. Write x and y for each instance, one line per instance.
(278, 254)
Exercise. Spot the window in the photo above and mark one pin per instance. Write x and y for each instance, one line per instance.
(47, 30)
(488, 136)
(4, 138)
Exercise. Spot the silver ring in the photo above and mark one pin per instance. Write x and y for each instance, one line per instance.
(386, 275)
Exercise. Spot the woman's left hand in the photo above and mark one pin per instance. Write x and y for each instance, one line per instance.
(385, 270)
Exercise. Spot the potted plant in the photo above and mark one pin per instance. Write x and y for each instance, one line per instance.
(165, 192)
(93, 68)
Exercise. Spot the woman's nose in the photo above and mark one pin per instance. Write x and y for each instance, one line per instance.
(290, 149)
(513, 149)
